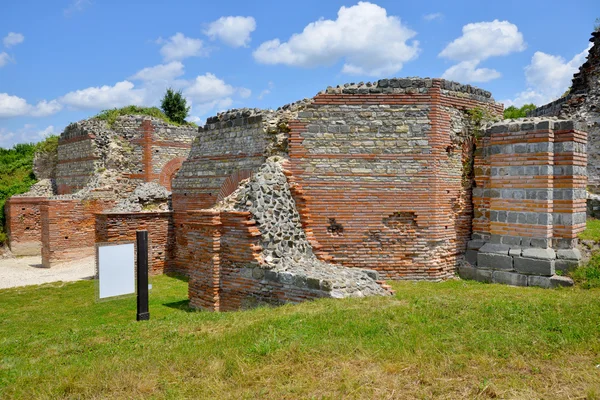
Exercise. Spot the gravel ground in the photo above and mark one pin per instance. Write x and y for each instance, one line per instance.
(23, 271)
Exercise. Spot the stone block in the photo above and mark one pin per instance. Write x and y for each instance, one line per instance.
(474, 273)
(569, 254)
(495, 248)
(560, 281)
(494, 261)
(475, 244)
(509, 278)
(542, 254)
(471, 257)
(539, 281)
(533, 266)
(515, 251)
(565, 265)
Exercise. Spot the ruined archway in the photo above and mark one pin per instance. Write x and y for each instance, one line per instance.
(169, 170)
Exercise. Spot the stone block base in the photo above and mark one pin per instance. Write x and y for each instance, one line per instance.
(517, 265)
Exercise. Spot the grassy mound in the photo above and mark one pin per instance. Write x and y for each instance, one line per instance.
(110, 116)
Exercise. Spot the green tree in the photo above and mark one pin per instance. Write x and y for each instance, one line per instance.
(175, 106)
(513, 112)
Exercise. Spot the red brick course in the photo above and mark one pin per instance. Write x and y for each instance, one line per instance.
(23, 225)
(121, 227)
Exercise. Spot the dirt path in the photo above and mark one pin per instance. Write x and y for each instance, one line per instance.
(23, 271)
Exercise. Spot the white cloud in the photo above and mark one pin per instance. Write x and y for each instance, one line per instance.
(48, 131)
(467, 71)
(161, 72)
(27, 134)
(13, 39)
(5, 138)
(369, 41)
(233, 31)
(482, 40)
(209, 93)
(14, 106)
(548, 77)
(178, 47)
(121, 94)
(4, 59)
(433, 16)
(76, 6)
(266, 91)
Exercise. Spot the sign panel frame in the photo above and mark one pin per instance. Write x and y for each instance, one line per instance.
(118, 263)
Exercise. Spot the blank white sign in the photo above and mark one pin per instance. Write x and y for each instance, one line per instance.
(116, 270)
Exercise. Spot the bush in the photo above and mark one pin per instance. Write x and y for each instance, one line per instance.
(175, 106)
(513, 112)
(588, 276)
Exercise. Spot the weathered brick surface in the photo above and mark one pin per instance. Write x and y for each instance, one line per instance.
(120, 227)
(382, 176)
(23, 225)
(68, 228)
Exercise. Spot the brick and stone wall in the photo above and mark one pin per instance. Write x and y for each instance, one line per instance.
(121, 227)
(23, 225)
(68, 228)
(530, 202)
(380, 167)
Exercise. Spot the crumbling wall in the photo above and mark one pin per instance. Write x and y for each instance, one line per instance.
(121, 227)
(380, 168)
(530, 202)
(251, 249)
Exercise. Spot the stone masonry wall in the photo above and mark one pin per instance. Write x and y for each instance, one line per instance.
(120, 227)
(68, 228)
(380, 169)
(23, 225)
(529, 202)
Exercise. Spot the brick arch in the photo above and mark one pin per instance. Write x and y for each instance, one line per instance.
(169, 170)
(232, 182)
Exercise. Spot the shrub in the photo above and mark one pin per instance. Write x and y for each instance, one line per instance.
(513, 112)
(175, 106)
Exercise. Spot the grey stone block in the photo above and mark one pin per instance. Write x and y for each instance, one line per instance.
(540, 243)
(471, 257)
(509, 278)
(539, 281)
(475, 244)
(475, 274)
(569, 254)
(495, 248)
(532, 266)
(494, 261)
(565, 265)
(558, 281)
(542, 254)
(511, 240)
(515, 251)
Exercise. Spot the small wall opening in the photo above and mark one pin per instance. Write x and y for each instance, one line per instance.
(335, 228)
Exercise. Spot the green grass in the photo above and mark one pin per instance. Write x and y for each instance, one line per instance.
(592, 230)
(110, 116)
(454, 339)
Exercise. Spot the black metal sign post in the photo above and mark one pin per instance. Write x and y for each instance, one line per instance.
(143, 314)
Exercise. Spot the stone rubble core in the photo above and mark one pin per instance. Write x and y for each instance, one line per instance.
(530, 203)
(287, 254)
(147, 197)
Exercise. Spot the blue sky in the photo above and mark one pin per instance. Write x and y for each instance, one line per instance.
(65, 60)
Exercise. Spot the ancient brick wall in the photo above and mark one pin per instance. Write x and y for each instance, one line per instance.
(381, 172)
(68, 228)
(530, 201)
(120, 227)
(77, 162)
(228, 273)
(225, 152)
(23, 225)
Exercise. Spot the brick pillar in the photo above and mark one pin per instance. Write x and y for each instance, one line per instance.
(204, 243)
